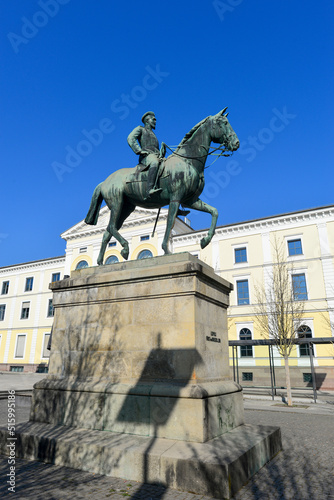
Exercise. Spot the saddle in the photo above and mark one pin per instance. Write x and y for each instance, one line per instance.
(136, 176)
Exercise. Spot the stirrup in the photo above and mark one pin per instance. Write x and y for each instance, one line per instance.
(154, 190)
(151, 192)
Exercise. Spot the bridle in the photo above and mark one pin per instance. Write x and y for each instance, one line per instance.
(223, 149)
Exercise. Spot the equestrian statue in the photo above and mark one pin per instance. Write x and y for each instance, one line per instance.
(157, 181)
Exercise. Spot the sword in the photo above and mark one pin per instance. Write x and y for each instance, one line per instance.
(156, 222)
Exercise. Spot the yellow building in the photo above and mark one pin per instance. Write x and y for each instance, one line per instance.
(26, 313)
(242, 253)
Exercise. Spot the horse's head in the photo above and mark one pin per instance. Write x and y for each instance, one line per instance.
(222, 132)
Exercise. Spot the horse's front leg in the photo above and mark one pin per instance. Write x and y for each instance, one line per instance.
(172, 212)
(204, 207)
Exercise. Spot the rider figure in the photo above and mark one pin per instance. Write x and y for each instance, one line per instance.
(144, 143)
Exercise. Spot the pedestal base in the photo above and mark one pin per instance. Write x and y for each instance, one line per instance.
(217, 468)
(194, 412)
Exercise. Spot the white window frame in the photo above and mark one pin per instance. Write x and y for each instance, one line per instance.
(2, 284)
(47, 309)
(52, 274)
(4, 312)
(26, 282)
(242, 278)
(291, 238)
(243, 360)
(305, 360)
(44, 346)
(25, 301)
(25, 345)
(237, 246)
(303, 270)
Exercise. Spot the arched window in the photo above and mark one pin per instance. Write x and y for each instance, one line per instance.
(145, 254)
(246, 351)
(81, 264)
(304, 332)
(111, 259)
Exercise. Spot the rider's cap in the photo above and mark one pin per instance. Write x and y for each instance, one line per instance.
(147, 114)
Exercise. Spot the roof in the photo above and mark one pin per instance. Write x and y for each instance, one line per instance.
(33, 262)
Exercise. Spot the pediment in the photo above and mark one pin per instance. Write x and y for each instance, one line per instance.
(139, 216)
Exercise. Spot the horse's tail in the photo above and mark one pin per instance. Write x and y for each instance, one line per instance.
(95, 205)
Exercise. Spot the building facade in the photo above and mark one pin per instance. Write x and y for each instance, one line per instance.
(242, 253)
(26, 313)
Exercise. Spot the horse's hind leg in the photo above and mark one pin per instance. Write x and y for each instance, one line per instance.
(108, 233)
(105, 240)
(117, 217)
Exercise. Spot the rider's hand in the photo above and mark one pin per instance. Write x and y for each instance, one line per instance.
(162, 150)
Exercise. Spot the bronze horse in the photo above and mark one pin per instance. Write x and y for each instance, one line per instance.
(181, 181)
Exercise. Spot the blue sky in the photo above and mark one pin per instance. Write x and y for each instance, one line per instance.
(70, 67)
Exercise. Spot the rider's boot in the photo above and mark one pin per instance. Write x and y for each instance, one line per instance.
(151, 181)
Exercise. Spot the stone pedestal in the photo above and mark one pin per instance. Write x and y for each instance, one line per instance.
(139, 361)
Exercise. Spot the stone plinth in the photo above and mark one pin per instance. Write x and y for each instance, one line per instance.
(217, 468)
(141, 348)
(138, 384)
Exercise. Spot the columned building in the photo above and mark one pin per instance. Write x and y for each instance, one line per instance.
(242, 253)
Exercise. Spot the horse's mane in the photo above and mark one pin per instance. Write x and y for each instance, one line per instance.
(192, 131)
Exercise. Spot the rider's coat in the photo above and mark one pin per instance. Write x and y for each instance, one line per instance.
(148, 142)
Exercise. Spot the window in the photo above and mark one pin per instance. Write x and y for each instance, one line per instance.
(307, 377)
(42, 369)
(5, 287)
(145, 238)
(29, 284)
(112, 244)
(16, 369)
(20, 345)
(50, 309)
(295, 247)
(46, 353)
(111, 259)
(247, 376)
(83, 250)
(145, 254)
(25, 310)
(246, 351)
(2, 311)
(82, 264)
(242, 292)
(55, 277)
(240, 255)
(304, 332)
(299, 286)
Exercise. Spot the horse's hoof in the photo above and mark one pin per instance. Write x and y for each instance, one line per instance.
(205, 241)
(125, 253)
(183, 213)
(99, 263)
(166, 251)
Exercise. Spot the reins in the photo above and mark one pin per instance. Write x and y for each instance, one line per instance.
(221, 148)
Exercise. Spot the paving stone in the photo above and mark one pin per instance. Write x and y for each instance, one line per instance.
(302, 471)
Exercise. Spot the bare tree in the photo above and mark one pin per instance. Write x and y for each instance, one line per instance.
(278, 309)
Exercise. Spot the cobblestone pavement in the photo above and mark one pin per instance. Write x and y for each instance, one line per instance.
(303, 471)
